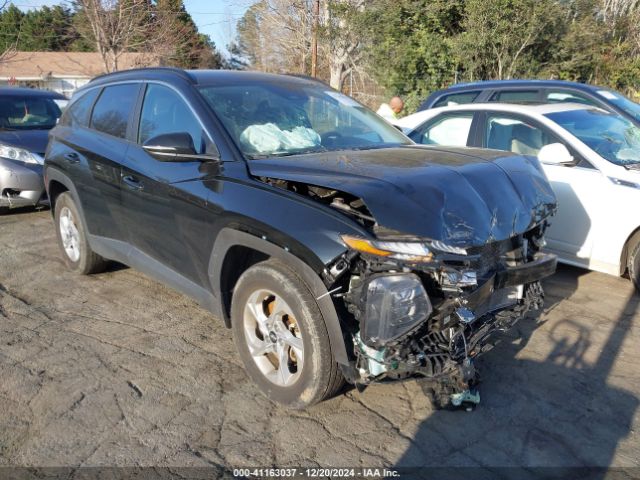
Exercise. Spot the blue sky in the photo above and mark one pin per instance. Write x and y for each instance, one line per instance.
(216, 18)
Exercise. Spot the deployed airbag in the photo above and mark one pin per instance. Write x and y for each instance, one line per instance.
(268, 138)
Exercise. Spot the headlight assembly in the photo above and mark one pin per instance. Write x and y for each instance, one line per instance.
(394, 304)
(20, 154)
(417, 252)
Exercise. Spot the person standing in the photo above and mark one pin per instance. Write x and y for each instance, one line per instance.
(390, 111)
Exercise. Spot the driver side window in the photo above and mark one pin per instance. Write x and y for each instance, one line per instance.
(514, 135)
(164, 111)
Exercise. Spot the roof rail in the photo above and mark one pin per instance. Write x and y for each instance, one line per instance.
(178, 71)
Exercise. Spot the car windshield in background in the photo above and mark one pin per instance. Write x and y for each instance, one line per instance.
(275, 120)
(24, 113)
(611, 136)
(622, 102)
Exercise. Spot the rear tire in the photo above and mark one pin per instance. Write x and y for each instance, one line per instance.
(633, 265)
(72, 238)
(275, 316)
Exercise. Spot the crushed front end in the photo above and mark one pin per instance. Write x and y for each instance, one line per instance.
(422, 309)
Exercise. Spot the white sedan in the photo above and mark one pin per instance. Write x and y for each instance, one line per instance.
(591, 157)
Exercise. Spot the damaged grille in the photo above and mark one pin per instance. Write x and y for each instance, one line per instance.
(489, 256)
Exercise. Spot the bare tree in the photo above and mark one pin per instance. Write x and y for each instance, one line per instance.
(285, 32)
(342, 39)
(275, 36)
(119, 26)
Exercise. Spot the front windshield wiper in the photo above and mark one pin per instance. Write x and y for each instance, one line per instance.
(324, 149)
(375, 147)
(287, 153)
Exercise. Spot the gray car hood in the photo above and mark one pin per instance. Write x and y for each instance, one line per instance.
(32, 140)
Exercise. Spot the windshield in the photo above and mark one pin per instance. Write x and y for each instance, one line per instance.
(28, 112)
(613, 137)
(622, 102)
(268, 120)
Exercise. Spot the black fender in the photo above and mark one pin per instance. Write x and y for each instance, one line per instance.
(228, 238)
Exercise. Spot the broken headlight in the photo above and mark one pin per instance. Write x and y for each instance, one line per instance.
(398, 250)
(393, 305)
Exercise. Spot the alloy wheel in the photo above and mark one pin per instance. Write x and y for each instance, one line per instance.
(273, 337)
(69, 234)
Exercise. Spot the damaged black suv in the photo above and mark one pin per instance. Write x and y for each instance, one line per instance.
(333, 246)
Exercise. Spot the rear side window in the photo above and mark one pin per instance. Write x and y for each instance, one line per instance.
(456, 99)
(516, 96)
(77, 115)
(450, 130)
(113, 109)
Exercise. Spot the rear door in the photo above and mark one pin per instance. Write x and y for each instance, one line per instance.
(165, 202)
(88, 146)
(111, 120)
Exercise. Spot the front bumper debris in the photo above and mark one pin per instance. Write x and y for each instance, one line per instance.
(20, 185)
(435, 332)
(542, 266)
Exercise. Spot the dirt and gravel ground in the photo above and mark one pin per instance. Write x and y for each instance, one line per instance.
(116, 369)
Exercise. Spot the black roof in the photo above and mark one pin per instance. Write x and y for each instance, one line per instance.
(198, 77)
(30, 92)
(522, 83)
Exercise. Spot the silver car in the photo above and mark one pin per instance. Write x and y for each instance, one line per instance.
(26, 116)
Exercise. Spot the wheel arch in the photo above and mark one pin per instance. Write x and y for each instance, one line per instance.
(235, 251)
(54, 190)
(58, 183)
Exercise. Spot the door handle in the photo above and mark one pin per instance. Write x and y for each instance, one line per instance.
(132, 183)
(72, 157)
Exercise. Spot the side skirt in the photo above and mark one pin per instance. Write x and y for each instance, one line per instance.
(124, 253)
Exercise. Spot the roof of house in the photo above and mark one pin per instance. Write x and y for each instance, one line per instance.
(29, 92)
(40, 65)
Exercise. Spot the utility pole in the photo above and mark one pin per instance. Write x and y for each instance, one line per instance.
(314, 39)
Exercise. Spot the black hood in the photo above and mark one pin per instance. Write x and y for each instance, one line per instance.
(32, 140)
(461, 196)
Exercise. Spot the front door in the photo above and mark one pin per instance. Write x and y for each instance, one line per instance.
(167, 217)
(579, 208)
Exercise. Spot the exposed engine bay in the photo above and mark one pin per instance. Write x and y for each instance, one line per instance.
(414, 308)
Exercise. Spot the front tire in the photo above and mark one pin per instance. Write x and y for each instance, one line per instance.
(281, 336)
(633, 265)
(72, 238)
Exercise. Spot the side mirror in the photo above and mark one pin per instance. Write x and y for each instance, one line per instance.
(175, 147)
(555, 154)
